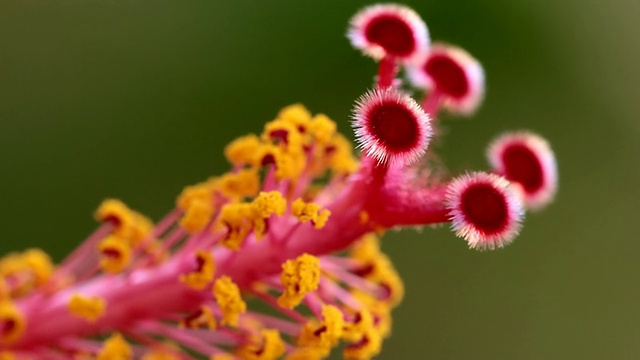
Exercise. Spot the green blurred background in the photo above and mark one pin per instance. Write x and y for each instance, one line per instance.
(135, 99)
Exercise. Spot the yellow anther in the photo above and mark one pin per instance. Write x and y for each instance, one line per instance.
(197, 216)
(366, 248)
(141, 228)
(199, 192)
(128, 224)
(355, 328)
(379, 269)
(88, 308)
(322, 128)
(244, 183)
(323, 335)
(340, 152)
(296, 114)
(299, 277)
(365, 348)
(288, 165)
(392, 284)
(7, 355)
(161, 353)
(222, 357)
(5, 292)
(203, 318)
(202, 276)
(229, 300)
(115, 254)
(40, 265)
(24, 271)
(269, 203)
(310, 212)
(285, 134)
(115, 348)
(242, 150)
(12, 323)
(268, 347)
(306, 353)
(381, 313)
(237, 218)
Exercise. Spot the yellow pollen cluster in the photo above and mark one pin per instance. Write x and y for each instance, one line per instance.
(299, 277)
(379, 310)
(115, 348)
(380, 270)
(269, 203)
(323, 336)
(26, 271)
(269, 346)
(310, 212)
(242, 218)
(197, 216)
(203, 318)
(295, 143)
(306, 353)
(12, 323)
(228, 297)
(115, 254)
(202, 276)
(88, 308)
(322, 128)
(129, 224)
(203, 191)
(160, 353)
(236, 217)
(242, 150)
(288, 165)
(340, 154)
(368, 346)
(285, 133)
(298, 115)
(244, 183)
(355, 329)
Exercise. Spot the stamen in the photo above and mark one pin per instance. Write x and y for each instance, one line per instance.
(115, 254)
(269, 346)
(367, 347)
(203, 275)
(115, 347)
(299, 277)
(228, 298)
(88, 308)
(310, 212)
(203, 318)
(323, 335)
(12, 323)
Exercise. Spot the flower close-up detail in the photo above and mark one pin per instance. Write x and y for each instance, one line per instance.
(280, 257)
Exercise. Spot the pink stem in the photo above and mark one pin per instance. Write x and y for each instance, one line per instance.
(386, 72)
(431, 103)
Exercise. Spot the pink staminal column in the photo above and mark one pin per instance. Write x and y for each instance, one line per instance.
(392, 34)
